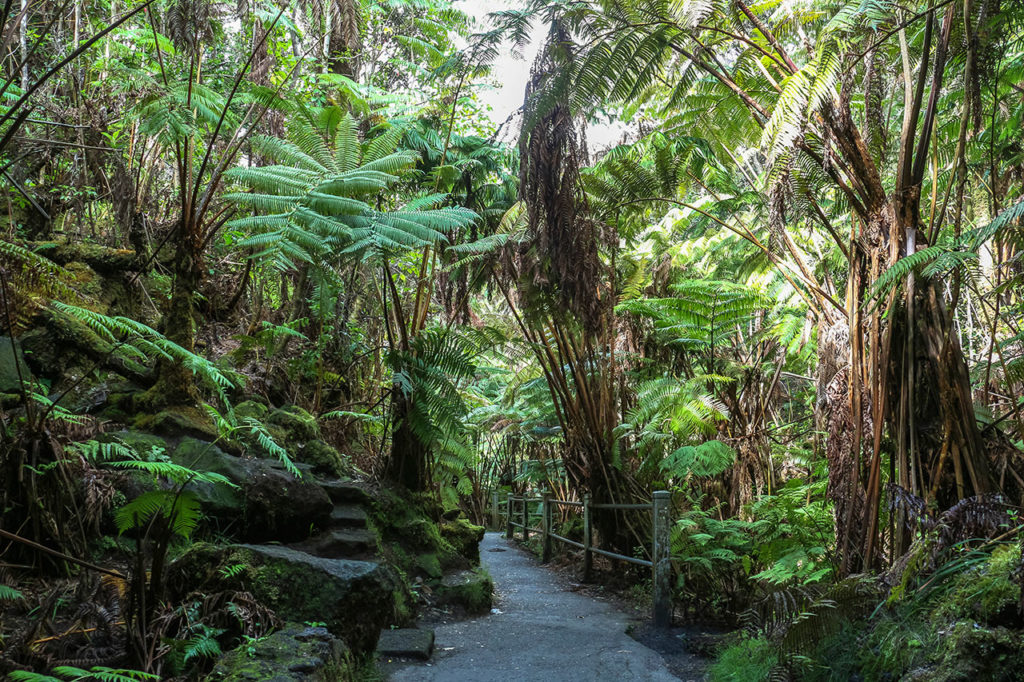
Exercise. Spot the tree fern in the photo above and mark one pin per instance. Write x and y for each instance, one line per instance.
(317, 200)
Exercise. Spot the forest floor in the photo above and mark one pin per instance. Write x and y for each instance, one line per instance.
(540, 631)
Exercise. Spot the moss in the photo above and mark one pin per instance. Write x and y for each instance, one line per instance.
(429, 565)
(972, 652)
(965, 629)
(293, 425)
(12, 366)
(178, 421)
(987, 594)
(217, 499)
(142, 444)
(324, 459)
(86, 282)
(464, 537)
(297, 586)
(252, 409)
(469, 590)
(295, 652)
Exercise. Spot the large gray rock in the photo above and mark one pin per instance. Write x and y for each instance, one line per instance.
(270, 503)
(294, 653)
(265, 503)
(355, 599)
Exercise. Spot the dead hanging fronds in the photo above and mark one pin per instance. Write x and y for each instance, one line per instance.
(797, 619)
(971, 520)
(981, 517)
(190, 24)
(562, 258)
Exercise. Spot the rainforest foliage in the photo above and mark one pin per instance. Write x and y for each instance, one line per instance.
(294, 234)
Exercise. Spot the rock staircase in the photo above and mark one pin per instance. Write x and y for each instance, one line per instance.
(346, 534)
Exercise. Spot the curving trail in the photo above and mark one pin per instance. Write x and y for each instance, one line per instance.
(541, 633)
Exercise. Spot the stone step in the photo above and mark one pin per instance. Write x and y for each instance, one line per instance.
(348, 516)
(345, 492)
(406, 643)
(343, 542)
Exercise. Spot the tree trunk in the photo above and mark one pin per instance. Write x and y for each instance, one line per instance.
(175, 383)
(407, 464)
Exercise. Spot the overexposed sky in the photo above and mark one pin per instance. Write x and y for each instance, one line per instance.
(511, 73)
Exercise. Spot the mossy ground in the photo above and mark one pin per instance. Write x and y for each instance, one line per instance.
(966, 627)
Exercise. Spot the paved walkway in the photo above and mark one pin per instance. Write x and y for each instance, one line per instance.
(539, 633)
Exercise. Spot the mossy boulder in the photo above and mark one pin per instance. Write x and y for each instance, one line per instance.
(429, 565)
(220, 502)
(987, 594)
(354, 599)
(325, 460)
(465, 537)
(179, 421)
(61, 343)
(252, 409)
(13, 367)
(279, 506)
(144, 445)
(469, 590)
(295, 652)
(266, 502)
(293, 425)
(974, 653)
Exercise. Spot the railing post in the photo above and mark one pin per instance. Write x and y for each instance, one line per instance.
(545, 511)
(508, 517)
(526, 519)
(588, 556)
(495, 516)
(662, 565)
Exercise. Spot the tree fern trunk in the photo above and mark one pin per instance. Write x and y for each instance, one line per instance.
(407, 463)
(175, 384)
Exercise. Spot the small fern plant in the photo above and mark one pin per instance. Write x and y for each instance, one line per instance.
(67, 673)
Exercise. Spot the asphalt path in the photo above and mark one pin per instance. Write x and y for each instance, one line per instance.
(538, 631)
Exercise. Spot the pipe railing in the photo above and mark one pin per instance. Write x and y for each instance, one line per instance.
(517, 514)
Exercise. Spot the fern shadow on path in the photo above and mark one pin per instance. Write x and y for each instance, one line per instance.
(539, 632)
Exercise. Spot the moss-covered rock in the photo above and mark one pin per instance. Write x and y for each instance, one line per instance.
(178, 421)
(252, 409)
(470, 590)
(295, 652)
(13, 367)
(355, 599)
(465, 537)
(144, 445)
(269, 503)
(429, 565)
(63, 342)
(987, 594)
(325, 460)
(220, 502)
(972, 653)
(293, 425)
